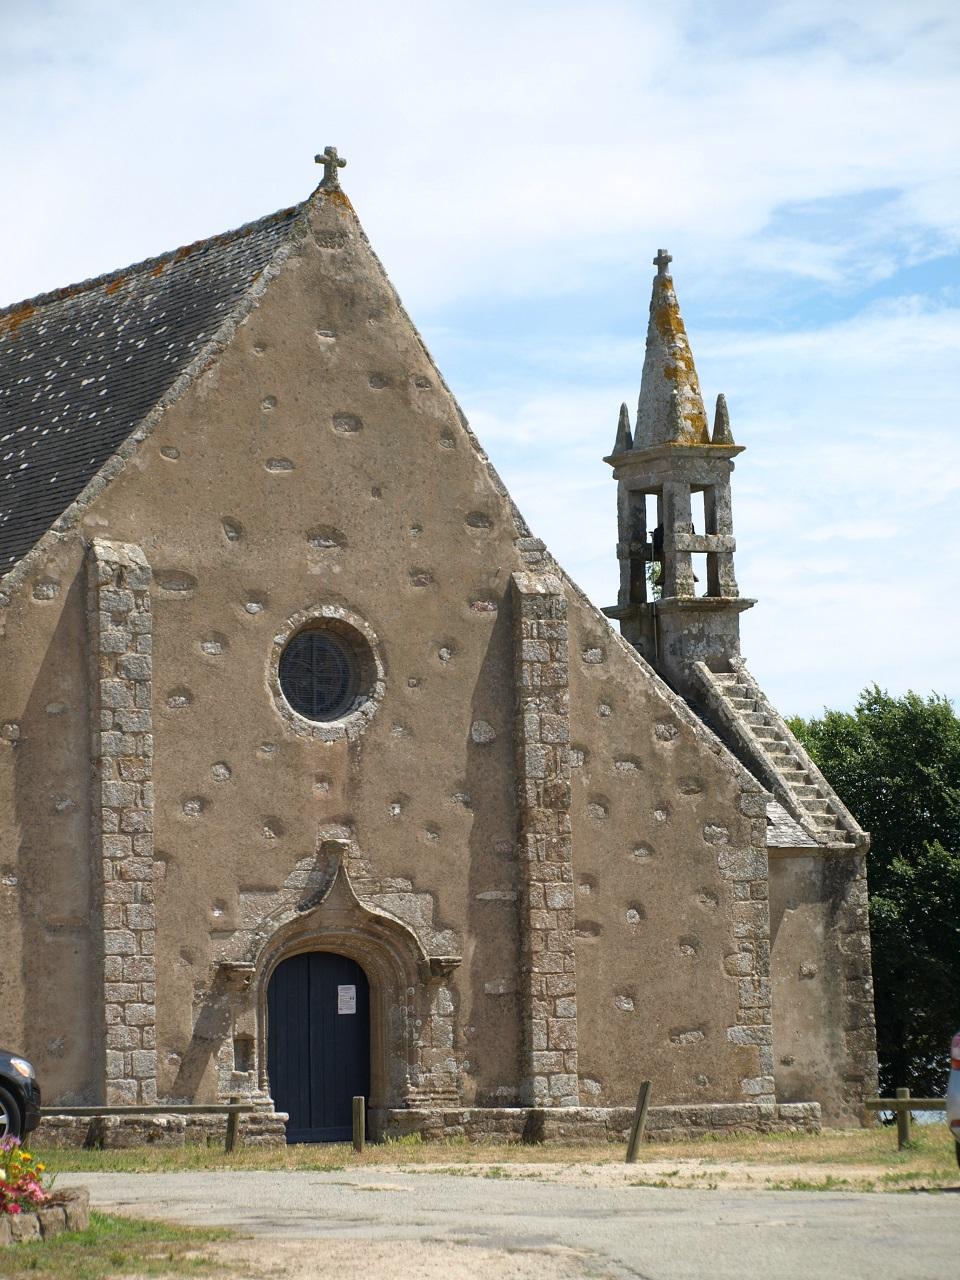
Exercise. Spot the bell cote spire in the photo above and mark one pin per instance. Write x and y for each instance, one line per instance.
(678, 601)
(670, 409)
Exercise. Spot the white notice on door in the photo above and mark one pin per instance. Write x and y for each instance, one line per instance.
(346, 999)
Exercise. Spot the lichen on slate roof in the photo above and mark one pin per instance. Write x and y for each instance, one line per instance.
(783, 832)
(82, 366)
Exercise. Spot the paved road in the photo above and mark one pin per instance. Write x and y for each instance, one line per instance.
(635, 1232)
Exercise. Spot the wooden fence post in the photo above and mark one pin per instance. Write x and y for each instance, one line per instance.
(359, 1122)
(233, 1120)
(639, 1120)
(903, 1120)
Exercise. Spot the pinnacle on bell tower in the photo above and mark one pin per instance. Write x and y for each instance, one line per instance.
(674, 507)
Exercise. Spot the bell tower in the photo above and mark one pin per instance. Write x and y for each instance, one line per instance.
(678, 601)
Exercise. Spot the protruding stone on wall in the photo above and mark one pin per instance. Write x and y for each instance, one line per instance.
(548, 962)
(481, 732)
(120, 629)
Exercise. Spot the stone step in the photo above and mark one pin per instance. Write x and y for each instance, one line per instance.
(809, 792)
(741, 704)
(816, 805)
(757, 719)
(824, 819)
(794, 777)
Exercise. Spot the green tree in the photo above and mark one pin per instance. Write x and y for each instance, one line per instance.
(895, 763)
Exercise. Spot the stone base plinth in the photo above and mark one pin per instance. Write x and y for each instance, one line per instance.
(478, 1124)
(256, 1129)
(595, 1124)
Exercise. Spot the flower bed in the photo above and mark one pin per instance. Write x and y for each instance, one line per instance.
(21, 1179)
(29, 1210)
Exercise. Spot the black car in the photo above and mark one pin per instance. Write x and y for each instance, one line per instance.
(19, 1096)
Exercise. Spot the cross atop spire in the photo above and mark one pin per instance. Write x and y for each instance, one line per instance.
(331, 163)
(662, 262)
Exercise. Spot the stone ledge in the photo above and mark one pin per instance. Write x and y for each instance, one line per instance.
(69, 1211)
(595, 1124)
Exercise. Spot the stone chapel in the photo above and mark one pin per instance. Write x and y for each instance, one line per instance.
(318, 775)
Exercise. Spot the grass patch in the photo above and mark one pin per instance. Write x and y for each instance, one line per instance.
(829, 1183)
(867, 1158)
(113, 1246)
(405, 1141)
(932, 1149)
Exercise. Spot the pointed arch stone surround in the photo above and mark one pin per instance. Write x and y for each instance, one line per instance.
(322, 907)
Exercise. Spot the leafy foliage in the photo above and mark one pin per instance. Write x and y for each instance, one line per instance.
(895, 763)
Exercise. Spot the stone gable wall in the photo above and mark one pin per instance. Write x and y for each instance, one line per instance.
(320, 461)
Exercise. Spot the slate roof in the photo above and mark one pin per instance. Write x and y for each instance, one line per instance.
(783, 832)
(82, 366)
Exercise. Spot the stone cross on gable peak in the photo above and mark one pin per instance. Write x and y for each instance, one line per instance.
(331, 163)
(662, 262)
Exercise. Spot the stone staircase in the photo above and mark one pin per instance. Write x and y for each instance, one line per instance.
(784, 765)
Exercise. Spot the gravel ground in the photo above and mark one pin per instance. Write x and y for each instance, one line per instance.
(383, 1222)
(424, 1260)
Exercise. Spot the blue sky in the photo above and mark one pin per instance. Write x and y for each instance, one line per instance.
(516, 167)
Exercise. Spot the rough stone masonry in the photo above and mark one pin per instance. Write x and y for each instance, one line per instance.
(548, 958)
(121, 646)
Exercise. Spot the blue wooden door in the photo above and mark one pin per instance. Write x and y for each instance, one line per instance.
(318, 1044)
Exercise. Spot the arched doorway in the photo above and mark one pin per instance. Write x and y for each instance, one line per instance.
(318, 1043)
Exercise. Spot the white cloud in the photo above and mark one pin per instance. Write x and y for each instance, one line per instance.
(502, 155)
(495, 148)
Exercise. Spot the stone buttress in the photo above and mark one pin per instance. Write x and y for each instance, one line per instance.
(548, 962)
(120, 631)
